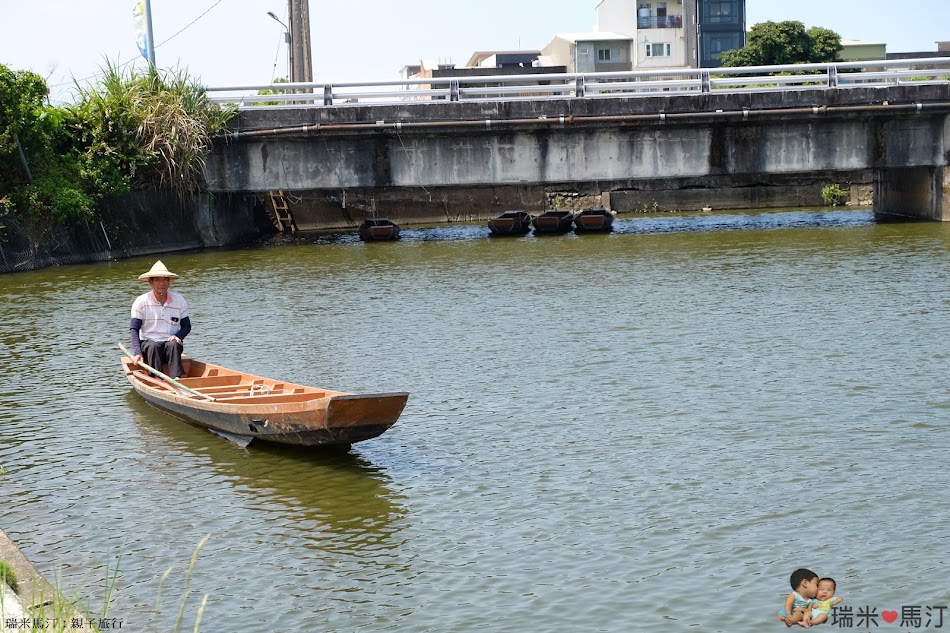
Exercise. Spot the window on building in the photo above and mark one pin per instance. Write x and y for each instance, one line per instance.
(714, 45)
(722, 11)
(659, 49)
(603, 54)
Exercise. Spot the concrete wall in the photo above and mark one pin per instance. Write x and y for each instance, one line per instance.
(139, 224)
(917, 192)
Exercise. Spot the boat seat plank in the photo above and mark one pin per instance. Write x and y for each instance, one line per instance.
(211, 381)
(280, 398)
(235, 387)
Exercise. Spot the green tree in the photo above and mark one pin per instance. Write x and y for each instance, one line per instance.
(36, 171)
(21, 107)
(825, 45)
(782, 43)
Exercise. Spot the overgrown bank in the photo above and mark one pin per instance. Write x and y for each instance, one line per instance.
(118, 173)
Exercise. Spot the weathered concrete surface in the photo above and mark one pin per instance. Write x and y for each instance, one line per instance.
(474, 152)
(33, 589)
(139, 224)
(919, 192)
(11, 611)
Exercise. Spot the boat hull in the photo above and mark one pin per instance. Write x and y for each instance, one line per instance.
(263, 409)
(553, 222)
(510, 224)
(596, 220)
(379, 230)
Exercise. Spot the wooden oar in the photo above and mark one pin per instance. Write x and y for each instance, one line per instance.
(168, 379)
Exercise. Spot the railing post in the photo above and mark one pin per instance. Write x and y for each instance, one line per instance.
(704, 78)
(454, 90)
(579, 87)
(327, 94)
(832, 76)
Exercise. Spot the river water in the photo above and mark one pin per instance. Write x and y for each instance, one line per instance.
(644, 430)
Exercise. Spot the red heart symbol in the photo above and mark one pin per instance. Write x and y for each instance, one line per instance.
(889, 616)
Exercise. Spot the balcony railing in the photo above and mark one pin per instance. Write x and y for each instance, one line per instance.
(666, 22)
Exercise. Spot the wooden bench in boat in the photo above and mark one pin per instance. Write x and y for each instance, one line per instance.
(232, 391)
(280, 398)
(221, 385)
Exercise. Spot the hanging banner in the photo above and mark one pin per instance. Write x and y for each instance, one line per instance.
(141, 30)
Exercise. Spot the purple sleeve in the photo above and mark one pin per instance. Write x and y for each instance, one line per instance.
(134, 328)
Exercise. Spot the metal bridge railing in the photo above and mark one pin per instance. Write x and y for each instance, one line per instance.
(588, 85)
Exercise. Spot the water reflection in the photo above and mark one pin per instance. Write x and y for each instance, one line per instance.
(330, 491)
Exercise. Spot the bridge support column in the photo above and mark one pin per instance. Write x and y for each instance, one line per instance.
(916, 192)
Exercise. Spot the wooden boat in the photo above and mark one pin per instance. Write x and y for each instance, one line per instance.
(553, 222)
(244, 407)
(510, 223)
(378, 230)
(594, 220)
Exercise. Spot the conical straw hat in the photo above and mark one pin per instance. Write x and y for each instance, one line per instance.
(158, 270)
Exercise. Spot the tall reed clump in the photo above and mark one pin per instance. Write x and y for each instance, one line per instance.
(7, 576)
(59, 614)
(146, 130)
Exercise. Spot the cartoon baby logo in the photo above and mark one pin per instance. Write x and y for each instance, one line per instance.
(814, 600)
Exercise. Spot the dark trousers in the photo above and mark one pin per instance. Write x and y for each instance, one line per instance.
(157, 353)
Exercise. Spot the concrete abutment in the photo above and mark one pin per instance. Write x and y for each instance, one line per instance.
(915, 192)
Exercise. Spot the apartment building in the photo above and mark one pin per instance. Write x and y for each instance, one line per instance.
(667, 34)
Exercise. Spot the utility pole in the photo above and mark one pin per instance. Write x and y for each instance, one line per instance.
(299, 12)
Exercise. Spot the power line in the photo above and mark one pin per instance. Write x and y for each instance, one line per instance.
(187, 26)
(132, 61)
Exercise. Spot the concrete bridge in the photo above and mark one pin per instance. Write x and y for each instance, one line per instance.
(458, 160)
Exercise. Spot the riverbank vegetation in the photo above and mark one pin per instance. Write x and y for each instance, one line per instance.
(7, 576)
(132, 131)
(835, 194)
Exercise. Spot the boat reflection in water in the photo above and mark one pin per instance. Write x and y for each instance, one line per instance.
(329, 494)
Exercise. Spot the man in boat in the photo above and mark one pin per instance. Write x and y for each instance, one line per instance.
(160, 323)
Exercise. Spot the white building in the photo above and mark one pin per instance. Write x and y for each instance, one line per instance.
(667, 34)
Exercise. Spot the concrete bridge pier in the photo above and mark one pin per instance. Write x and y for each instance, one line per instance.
(917, 192)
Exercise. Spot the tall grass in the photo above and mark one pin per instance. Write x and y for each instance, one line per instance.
(7, 576)
(155, 126)
(61, 614)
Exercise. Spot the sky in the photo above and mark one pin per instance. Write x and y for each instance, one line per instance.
(234, 42)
